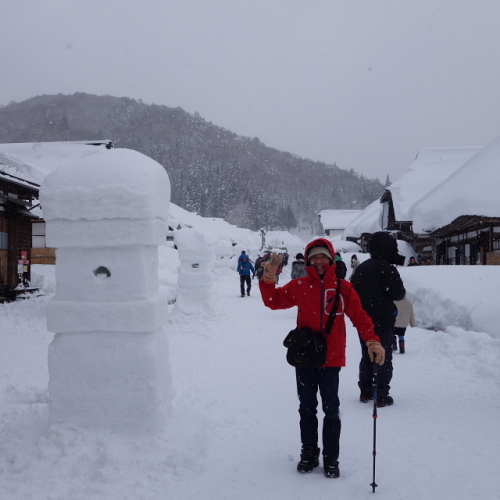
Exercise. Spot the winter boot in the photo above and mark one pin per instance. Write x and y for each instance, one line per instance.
(331, 467)
(394, 343)
(309, 458)
(366, 393)
(384, 401)
(401, 346)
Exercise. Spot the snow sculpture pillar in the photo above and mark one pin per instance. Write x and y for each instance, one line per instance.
(196, 253)
(108, 363)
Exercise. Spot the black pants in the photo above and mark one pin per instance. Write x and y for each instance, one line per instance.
(309, 380)
(248, 281)
(384, 372)
(400, 332)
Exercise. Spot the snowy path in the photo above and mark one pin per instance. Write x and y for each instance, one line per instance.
(233, 430)
(428, 442)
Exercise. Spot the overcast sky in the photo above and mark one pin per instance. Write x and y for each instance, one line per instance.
(363, 83)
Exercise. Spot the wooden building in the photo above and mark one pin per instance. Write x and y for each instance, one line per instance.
(17, 197)
(462, 214)
(433, 206)
(23, 167)
(468, 240)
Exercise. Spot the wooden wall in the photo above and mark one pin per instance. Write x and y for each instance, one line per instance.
(493, 258)
(43, 256)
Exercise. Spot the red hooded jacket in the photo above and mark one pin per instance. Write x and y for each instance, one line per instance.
(314, 296)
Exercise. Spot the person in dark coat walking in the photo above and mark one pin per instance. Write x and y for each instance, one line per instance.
(340, 267)
(379, 284)
(258, 264)
(298, 267)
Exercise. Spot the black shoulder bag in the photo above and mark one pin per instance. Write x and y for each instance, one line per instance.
(306, 347)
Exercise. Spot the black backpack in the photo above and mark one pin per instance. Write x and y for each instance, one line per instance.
(340, 269)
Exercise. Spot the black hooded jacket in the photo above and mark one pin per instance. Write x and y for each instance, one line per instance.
(378, 282)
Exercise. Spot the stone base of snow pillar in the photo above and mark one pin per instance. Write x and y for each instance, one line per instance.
(116, 380)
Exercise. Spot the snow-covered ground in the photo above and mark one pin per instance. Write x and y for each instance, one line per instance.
(233, 428)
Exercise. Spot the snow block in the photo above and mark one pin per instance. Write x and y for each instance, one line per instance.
(198, 281)
(108, 364)
(103, 274)
(121, 184)
(61, 233)
(128, 316)
(191, 300)
(196, 270)
(120, 381)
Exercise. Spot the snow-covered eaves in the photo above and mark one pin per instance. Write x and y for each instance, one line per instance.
(34, 160)
(471, 190)
(431, 167)
(368, 221)
(18, 181)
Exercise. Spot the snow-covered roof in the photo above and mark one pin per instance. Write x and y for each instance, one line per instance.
(368, 221)
(430, 168)
(34, 160)
(337, 219)
(433, 167)
(283, 238)
(470, 190)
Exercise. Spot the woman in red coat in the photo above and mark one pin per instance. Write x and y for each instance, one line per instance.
(313, 295)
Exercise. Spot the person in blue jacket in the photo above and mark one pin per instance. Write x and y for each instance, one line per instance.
(245, 268)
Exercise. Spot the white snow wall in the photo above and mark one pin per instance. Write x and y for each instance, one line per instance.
(106, 214)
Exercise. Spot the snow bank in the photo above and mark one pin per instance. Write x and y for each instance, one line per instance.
(461, 296)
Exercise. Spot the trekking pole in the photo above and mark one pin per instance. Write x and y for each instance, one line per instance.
(375, 397)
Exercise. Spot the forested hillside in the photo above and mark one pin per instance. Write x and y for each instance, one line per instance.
(213, 171)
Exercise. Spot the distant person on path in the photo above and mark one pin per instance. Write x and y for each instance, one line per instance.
(285, 259)
(298, 267)
(245, 268)
(279, 270)
(413, 262)
(340, 267)
(379, 284)
(354, 265)
(244, 255)
(258, 264)
(314, 297)
(405, 317)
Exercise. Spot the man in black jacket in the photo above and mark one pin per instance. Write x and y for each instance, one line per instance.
(379, 284)
(340, 267)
